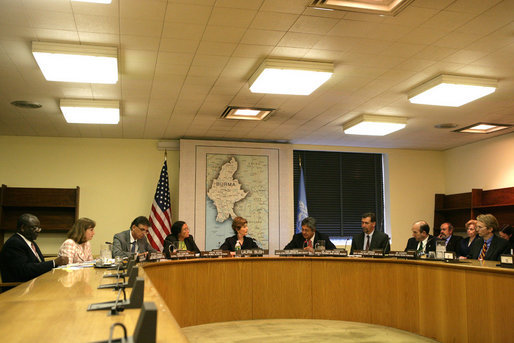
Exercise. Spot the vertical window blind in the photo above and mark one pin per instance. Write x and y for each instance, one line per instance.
(340, 187)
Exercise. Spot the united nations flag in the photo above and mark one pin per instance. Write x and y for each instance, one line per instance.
(301, 209)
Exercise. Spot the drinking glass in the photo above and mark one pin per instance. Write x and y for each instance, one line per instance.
(320, 245)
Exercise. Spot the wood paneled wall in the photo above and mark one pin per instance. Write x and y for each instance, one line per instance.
(447, 302)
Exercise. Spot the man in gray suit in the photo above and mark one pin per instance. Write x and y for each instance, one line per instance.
(134, 240)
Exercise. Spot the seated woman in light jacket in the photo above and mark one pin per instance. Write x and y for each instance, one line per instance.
(180, 234)
(240, 227)
(77, 247)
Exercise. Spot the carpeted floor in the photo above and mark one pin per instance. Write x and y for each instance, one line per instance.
(298, 330)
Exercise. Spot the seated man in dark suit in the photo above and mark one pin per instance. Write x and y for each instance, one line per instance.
(488, 246)
(452, 241)
(134, 240)
(421, 240)
(370, 239)
(20, 259)
(309, 237)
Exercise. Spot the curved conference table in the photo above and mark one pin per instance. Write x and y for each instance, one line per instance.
(464, 302)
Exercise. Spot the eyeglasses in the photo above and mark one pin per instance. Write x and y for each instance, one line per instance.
(142, 229)
(35, 228)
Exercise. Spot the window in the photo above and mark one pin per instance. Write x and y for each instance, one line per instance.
(340, 187)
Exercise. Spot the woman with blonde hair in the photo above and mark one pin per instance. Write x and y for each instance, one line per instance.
(465, 244)
(77, 247)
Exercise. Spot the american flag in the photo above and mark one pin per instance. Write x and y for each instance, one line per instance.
(160, 218)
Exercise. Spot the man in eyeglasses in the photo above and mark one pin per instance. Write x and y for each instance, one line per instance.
(133, 241)
(20, 259)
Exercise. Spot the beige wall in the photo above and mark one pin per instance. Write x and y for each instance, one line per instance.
(414, 177)
(487, 164)
(117, 178)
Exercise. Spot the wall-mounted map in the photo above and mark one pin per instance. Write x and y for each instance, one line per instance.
(236, 185)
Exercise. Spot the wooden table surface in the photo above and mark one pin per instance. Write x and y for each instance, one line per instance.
(52, 308)
(448, 302)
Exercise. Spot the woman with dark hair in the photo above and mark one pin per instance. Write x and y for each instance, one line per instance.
(77, 247)
(506, 233)
(240, 227)
(180, 234)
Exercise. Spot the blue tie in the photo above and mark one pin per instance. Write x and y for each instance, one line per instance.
(133, 249)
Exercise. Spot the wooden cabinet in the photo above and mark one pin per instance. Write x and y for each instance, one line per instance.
(56, 208)
(459, 208)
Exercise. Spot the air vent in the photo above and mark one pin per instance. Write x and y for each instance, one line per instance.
(26, 104)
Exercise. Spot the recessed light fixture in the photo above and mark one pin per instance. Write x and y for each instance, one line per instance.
(246, 113)
(374, 125)
(76, 63)
(451, 90)
(483, 128)
(90, 111)
(290, 77)
(95, 1)
(387, 7)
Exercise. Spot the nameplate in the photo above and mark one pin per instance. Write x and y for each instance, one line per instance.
(182, 254)
(214, 254)
(369, 253)
(252, 252)
(331, 253)
(403, 254)
(506, 261)
(292, 252)
(450, 255)
(155, 256)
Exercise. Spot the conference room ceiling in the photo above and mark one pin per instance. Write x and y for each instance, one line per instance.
(181, 63)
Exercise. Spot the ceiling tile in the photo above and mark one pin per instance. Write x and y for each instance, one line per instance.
(130, 26)
(286, 6)
(262, 37)
(299, 40)
(97, 24)
(187, 13)
(223, 34)
(232, 17)
(316, 25)
(51, 20)
(148, 9)
(273, 21)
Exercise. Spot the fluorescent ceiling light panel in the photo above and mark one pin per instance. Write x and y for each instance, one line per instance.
(290, 77)
(95, 1)
(374, 125)
(246, 113)
(91, 111)
(483, 128)
(77, 63)
(450, 90)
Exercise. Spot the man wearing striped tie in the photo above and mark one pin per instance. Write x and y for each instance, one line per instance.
(488, 246)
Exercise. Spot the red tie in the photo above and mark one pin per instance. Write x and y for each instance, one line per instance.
(35, 251)
(309, 243)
